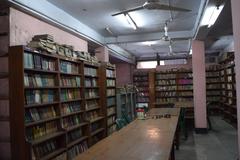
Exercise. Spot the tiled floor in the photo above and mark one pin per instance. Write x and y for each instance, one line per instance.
(219, 144)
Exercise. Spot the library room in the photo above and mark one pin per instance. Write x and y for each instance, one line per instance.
(119, 80)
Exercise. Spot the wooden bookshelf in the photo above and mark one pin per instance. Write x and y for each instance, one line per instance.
(48, 113)
(228, 92)
(141, 81)
(108, 94)
(93, 103)
(173, 86)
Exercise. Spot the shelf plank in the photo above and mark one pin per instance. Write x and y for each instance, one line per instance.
(69, 145)
(47, 137)
(71, 100)
(73, 113)
(75, 126)
(111, 115)
(94, 108)
(96, 119)
(97, 131)
(53, 154)
(46, 87)
(41, 121)
(41, 104)
(40, 71)
(92, 98)
(70, 74)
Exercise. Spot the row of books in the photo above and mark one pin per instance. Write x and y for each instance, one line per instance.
(213, 86)
(36, 80)
(140, 73)
(111, 120)
(38, 97)
(74, 135)
(140, 78)
(166, 76)
(34, 61)
(90, 82)
(213, 68)
(91, 93)
(70, 81)
(111, 110)
(213, 93)
(91, 104)
(165, 88)
(110, 82)
(188, 93)
(77, 149)
(110, 73)
(166, 94)
(37, 114)
(210, 80)
(166, 100)
(184, 81)
(229, 71)
(111, 101)
(68, 108)
(45, 148)
(92, 115)
(142, 99)
(68, 67)
(185, 87)
(212, 74)
(90, 71)
(71, 121)
(70, 94)
(37, 131)
(110, 92)
(141, 84)
(213, 98)
(112, 129)
(166, 82)
(95, 126)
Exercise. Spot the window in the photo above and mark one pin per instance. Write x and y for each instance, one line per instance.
(146, 64)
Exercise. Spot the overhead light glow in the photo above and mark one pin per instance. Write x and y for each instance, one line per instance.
(130, 21)
(149, 43)
(210, 15)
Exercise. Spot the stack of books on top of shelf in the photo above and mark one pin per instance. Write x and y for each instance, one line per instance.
(46, 43)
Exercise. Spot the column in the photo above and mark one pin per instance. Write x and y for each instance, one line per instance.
(236, 36)
(102, 54)
(199, 86)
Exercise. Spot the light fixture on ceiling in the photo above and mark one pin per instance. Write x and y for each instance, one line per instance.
(210, 15)
(130, 21)
(109, 30)
(149, 43)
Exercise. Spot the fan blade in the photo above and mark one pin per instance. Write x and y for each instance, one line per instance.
(171, 8)
(129, 10)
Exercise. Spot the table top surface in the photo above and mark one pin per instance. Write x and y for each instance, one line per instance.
(164, 111)
(149, 139)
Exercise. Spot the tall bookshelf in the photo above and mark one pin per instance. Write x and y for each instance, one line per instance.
(228, 94)
(108, 94)
(141, 81)
(55, 109)
(173, 86)
(93, 105)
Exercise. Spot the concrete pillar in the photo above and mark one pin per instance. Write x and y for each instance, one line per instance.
(102, 54)
(236, 36)
(199, 86)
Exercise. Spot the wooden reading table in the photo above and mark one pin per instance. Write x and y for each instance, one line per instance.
(150, 139)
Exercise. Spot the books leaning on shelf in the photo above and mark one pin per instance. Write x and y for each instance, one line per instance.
(111, 101)
(77, 149)
(38, 97)
(90, 71)
(90, 82)
(110, 83)
(70, 94)
(37, 114)
(70, 81)
(68, 67)
(36, 80)
(110, 73)
(110, 92)
(91, 93)
(92, 115)
(74, 135)
(71, 121)
(68, 108)
(91, 104)
(35, 61)
(38, 131)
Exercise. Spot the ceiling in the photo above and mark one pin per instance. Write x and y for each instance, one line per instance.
(97, 15)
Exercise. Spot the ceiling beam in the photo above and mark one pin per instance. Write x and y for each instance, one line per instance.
(146, 37)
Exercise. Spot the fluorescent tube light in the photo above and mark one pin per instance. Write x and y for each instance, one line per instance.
(210, 15)
(130, 21)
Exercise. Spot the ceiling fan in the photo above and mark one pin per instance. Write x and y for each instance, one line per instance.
(153, 5)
